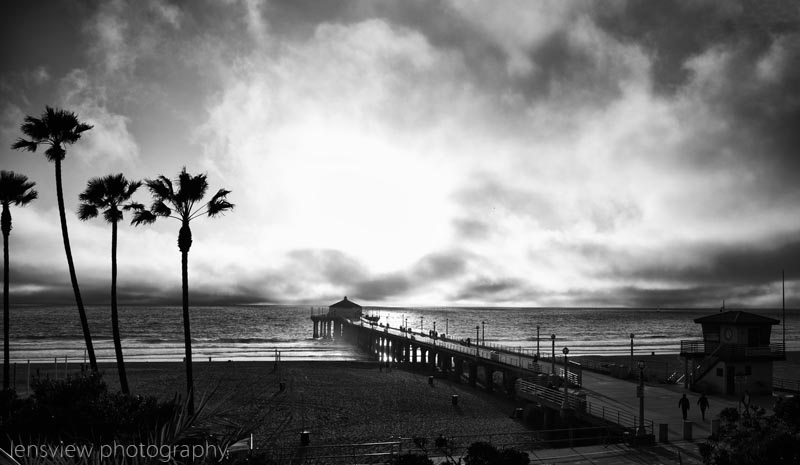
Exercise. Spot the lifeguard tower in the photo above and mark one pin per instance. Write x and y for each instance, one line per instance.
(734, 356)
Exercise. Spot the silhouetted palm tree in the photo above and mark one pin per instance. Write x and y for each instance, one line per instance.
(184, 205)
(110, 193)
(58, 128)
(15, 189)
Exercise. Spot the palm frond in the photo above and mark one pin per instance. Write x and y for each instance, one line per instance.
(143, 217)
(36, 129)
(16, 189)
(191, 188)
(55, 153)
(21, 143)
(219, 203)
(160, 208)
(112, 215)
(133, 206)
(161, 188)
(87, 211)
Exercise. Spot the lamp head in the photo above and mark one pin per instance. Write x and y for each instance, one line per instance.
(641, 364)
(566, 350)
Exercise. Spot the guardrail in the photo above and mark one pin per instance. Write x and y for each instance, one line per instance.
(580, 404)
(784, 384)
(515, 357)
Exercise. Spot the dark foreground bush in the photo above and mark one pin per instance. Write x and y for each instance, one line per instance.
(483, 453)
(80, 409)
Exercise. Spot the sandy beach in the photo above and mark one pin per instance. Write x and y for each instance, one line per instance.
(338, 402)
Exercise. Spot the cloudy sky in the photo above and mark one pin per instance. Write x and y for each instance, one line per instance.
(547, 153)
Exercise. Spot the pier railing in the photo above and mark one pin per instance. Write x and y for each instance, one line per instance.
(775, 351)
(580, 404)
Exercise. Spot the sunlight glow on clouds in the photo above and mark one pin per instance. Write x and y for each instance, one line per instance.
(530, 153)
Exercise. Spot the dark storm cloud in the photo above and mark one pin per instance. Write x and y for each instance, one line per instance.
(383, 287)
(493, 290)
(735, 265)
(333, 265)
(441, 265)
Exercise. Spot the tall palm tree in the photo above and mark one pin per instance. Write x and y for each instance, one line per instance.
(110, 193)
(57, 129)
(15, 189)
(184, 205)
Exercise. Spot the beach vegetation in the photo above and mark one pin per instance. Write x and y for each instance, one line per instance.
(80, 410)
(484, 453)
(754, 437)
(111, 194)
(57, 129)
(17, 190)
(183, 201)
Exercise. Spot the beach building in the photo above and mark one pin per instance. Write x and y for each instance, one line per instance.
(345, 309)
(734, 356)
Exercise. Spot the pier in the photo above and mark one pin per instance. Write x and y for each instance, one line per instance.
(559, 387)
(552, 385)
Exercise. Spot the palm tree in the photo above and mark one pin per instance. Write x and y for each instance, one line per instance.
(17, 190)
(58, 128)
(110, 193)
(184, 205)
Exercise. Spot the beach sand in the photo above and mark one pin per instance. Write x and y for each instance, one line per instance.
(338, 402)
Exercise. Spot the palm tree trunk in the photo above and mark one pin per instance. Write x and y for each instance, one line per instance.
(123, 377)
(65, 234)
(187, 333)
(6, 220)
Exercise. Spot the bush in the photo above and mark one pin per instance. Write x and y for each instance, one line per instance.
(80, 409)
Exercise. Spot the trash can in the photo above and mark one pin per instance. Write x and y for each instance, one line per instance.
(282, 386)
(663, 432)
(305, 438)
(430, 380)
(518, 413)
(687, 430)
(714, 427)
(454, 399)
(581, 396)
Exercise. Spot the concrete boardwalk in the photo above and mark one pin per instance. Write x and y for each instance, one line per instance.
(661, 406)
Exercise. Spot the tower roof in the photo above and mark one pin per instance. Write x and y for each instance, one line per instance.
(344, 303)
(737, 317)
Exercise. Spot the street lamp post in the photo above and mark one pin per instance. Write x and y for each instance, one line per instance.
(537, 340)
(483, 332)
(641, 397)
(477, 338)
(421, 327)
(434, 327)
(553, 355)
(631, 364)
(565, 405)
(446, 326)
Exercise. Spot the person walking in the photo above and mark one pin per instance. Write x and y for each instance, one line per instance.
(684, 405)
(703, 403)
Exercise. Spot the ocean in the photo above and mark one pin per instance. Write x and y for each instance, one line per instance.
(44, 333)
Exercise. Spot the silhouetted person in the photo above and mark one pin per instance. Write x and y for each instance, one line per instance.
(746, 402)
(441, 442)
(684, 405)
(703, 403)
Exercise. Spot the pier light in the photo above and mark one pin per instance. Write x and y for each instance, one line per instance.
(446, 324)
(640, 394)
(553, 354)
(565, 405)
(421, 326)
(483, 332)
(537, 340)
(631, 364)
